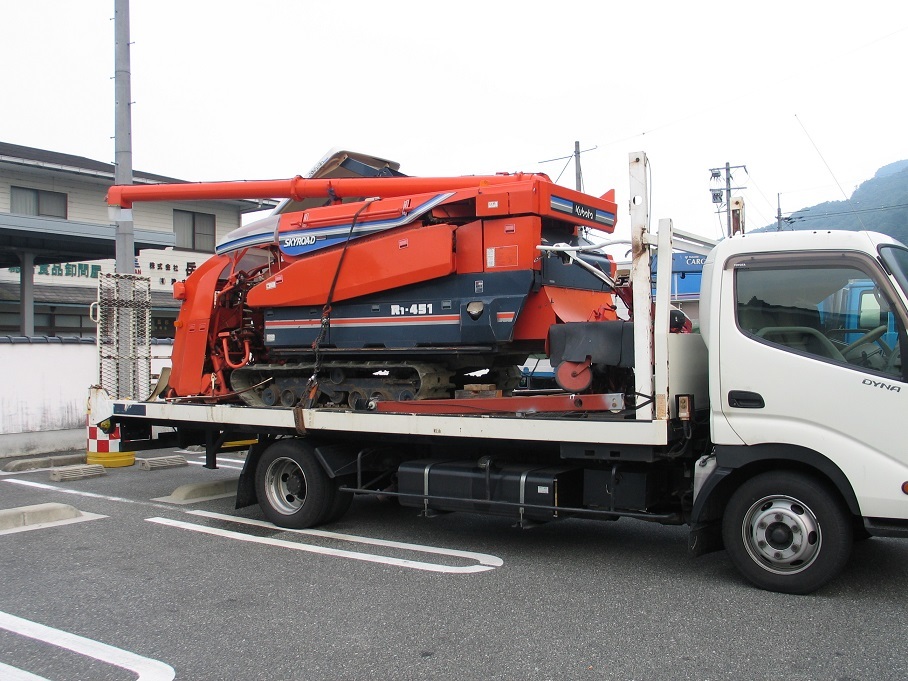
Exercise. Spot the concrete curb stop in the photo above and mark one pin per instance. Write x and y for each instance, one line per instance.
(77, 472)
(201, 491)
(38, 462)
(36, 514)
(155, 462)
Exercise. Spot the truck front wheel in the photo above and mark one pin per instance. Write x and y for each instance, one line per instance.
(787, 532)
(293, 489)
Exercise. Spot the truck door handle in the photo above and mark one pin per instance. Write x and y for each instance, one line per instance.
(743, 399)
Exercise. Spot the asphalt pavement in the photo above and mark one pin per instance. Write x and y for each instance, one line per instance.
(144, 587)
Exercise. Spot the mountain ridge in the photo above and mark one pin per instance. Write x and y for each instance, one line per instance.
(879, 204)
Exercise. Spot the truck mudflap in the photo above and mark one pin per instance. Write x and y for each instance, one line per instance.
(245, 489)
(705, 534)
(886, 527)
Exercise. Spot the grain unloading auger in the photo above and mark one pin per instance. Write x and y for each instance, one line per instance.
(395, 288)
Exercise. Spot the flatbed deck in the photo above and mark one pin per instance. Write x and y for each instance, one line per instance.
(585, 428)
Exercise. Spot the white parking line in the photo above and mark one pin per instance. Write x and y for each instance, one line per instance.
(146, 668)
(487, 562)
(220, 465)
(8, 673)
(80, 493)
(481, 558)
(224, 458)
(186, 452)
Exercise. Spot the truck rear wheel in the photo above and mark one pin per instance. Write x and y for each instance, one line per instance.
(293, 489)
(787, 532)
(339, 507)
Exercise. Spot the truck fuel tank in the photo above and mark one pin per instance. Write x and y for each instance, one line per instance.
(474, 485)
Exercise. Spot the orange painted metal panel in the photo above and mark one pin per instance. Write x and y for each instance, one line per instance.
(371, 264)
(469, 248)
(573, 305)
(342, 214)
(551, 305)
(500, 405)
(492, 203)
(193, 326)
(510, 243)
(524, 201)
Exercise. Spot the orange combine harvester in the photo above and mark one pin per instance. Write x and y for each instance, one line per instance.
(379, 286)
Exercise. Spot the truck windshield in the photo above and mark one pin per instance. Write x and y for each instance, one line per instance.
(835, 309)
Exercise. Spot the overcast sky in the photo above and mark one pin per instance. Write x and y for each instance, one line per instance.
(810, 96)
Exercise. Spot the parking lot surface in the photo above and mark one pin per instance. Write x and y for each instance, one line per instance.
(151, 586)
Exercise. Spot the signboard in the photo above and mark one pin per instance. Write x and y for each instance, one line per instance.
(163, 267)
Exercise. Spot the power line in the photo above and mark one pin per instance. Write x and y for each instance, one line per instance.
(753, 208)
(569, 157)
(797, 216)
(757, 187)
(567, 163)
(827, 165)
(576, 157)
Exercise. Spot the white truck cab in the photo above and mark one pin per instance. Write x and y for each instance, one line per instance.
(805, 332)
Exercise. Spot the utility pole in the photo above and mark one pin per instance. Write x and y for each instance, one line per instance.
(778, 212)
(578, 175)
(717, 194)
(125, 239)
(124, 302)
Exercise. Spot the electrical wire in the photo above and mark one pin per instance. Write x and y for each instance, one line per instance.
(751, 180)
(819, 216)
(562, 158)
(827, 166)
(563, 169)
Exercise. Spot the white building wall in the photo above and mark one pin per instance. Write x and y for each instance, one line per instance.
(44, 397)
(86, 202)
(159, 216)
(46, 386)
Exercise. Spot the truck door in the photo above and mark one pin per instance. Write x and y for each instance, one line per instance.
(803, 362)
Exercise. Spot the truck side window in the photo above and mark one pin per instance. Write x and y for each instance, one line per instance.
(829, 310)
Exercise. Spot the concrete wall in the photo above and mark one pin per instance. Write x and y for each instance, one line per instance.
(44, 394)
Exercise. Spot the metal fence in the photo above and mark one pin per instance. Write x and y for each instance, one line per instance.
(123, 315)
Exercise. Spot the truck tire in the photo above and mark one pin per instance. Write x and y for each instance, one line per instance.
(339, 507)
(293, 489)
(787, 532)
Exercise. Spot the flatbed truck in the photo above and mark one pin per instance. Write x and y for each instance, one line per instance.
(773, 432)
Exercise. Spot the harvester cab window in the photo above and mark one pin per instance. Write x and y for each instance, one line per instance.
(829, 310)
